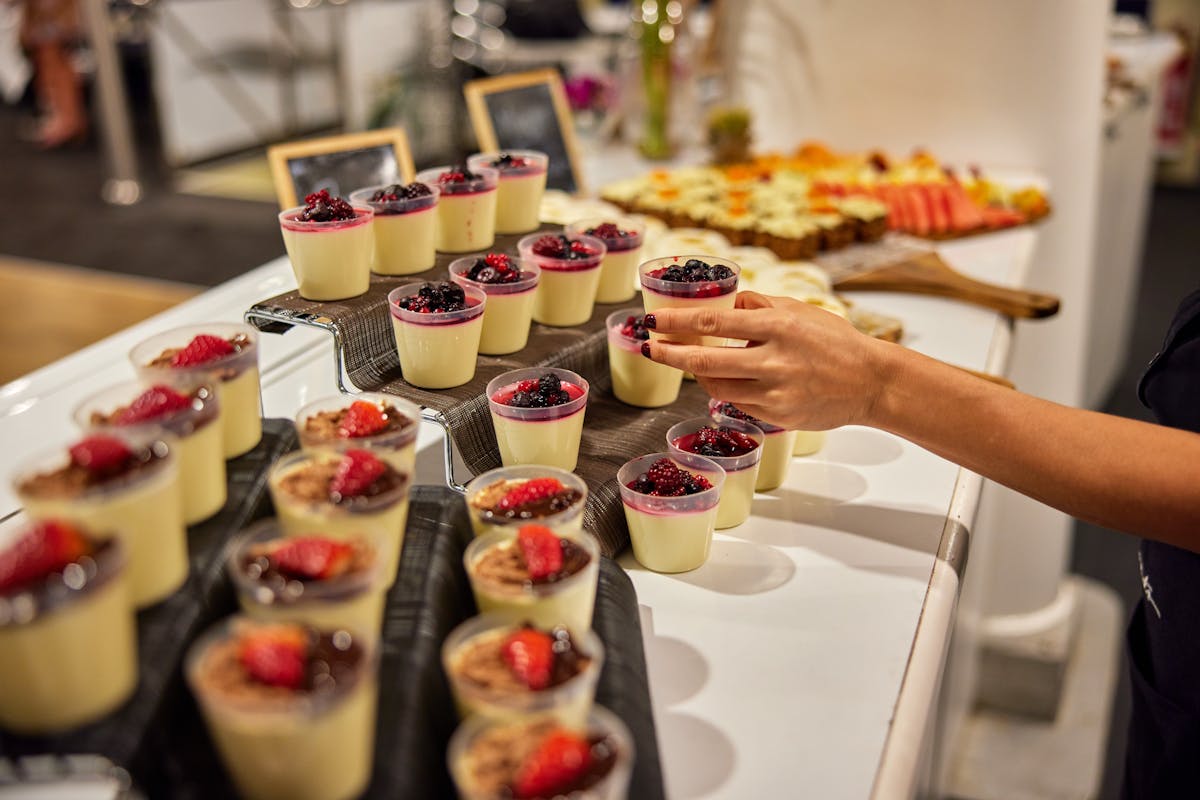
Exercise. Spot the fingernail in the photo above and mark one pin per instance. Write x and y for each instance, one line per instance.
(646, 349)
(649, 321)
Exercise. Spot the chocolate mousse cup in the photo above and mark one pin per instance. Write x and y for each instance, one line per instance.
(777, 447)
(618, 270)
(315, 743)
(405, 230)
(68, 645)
(567, 295)
(482, 682)
(636, 380)
(331, 260)
(317, 426)
(439, 349)
(235, 376)
(196, 428)
(671, 534)
(561, 513)
(466, 209)
(741, 471)
(509, 311)
(659, 293)
(522, 183)
(142, 506)
(548, 436)
(493, 565)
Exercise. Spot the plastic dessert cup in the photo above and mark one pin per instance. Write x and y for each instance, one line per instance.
(546, 436)
(68, 648)
(398, 447)
(522, 182)
(809, 442)
(671, 534)
(380, 519)
(284, 744)
(741, 472)
(197, 431)
(473, 749)
(657, 293)
(353, 601)
(437, 350)
(466, 210)
(568, 703)
(567, 294)
(404, 231)
(509, 309)
(567, 521)
(331, 260)
(235, 375)
(637, 380)
(568, 602)
(777, 447)
(618, 270)
(143, 508)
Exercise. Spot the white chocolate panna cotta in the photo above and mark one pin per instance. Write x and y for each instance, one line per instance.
(622, 239)
(735, 446)
(689, 282)
(776, 449)
(637, 380)
(466, 208)
(438, 328)
(670, 502)
(537, 414)
(329, 243)
(522, 183)
(404, 226)
(570, 276)
(511, 287)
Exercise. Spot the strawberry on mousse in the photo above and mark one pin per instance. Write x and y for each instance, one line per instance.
(537, 414)
(511, 286)
(329, 243)
(382, 423)
(512, 496)
(437, 328)
(570, 268)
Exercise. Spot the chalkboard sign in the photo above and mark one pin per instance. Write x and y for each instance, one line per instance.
(339, 164)
(527, 111)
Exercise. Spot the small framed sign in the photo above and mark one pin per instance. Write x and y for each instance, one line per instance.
(528, 111)
(339, 164)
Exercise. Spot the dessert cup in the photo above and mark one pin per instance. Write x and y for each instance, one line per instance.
(318, 430)
(741, 472)
(618, 270)
(637, 380)
(484, 755)
(331, 260)
(466, 210)
(568, 703)
(777, 447)
(437, 350)
(808, 442)
(404, 231)
(567, 294)
(484, 519)
(658, 293)
(68, 646)
(671, 534)
(509, 309)
(197, 431)
(235, 375)
(522, 182)
(380, 518)
(568, 602)
(546, 436)
(142, 507)
(353, 600)
(284, 744)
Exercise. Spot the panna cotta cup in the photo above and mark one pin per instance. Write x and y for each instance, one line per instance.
(495, 501)
(659, 292)
(546, 435)
(68, 641)
(404, 226)
(671, 533)
(466, 208)
(637, 380)
(522, 183)
(509, 311)
(777, 447)
(168, 357)
(190, 413)
(622, 239)
(570, 277)
(483, 683)
(314, 741)
(808, 442)
(498, 589)
(331, 260)
(334, 424)
(437, 349)
(137, 500)
(741, 471)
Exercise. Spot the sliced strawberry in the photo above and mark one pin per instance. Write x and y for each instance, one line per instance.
(530, 491)
(997, 217)
(541, 549)
(157, 401)
(361, 419)
(201, 350)
(529, 653)
(312, 557)
(275, 656)
(558, 762)
(939, 220)
(356, 472)
(918, 211)
(100, 454)
(47, 547)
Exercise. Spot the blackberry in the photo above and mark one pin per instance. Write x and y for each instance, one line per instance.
(400, 192)
(438, 297)
(635, 328)
(321, 207)
(694, 271)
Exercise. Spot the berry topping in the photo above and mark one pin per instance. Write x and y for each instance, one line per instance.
(275, 656)
(530, 492)
(357, 470)
(544, 392)
(361, 419)
(399, 191)
(47, 547)
(157, 401)
(321, 207)
(457, 174)
(201, 350)
(730, 410)
(562, 248)
(722, 442)
(509, 161)
(693, 271)
(101, 455)
(635, 328)
(529, 653)
(312, 558)
(609, 230)
(495, 268)
(541, 549)
(559, 761)
(666, 479)
(440, 297)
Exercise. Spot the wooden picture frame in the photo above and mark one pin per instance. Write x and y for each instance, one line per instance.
(562, 141)
(303, 166)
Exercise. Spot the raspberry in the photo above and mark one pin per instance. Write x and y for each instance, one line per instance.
(321, 207)
(608, 230)
(439, 298)
(530, 491)
(721, 442)
(201, 350)
(46, 548)
(312, 558)
(551, 246)
(542, 392)
(494, 268)
(276, 656)
(665, 479)
(582, 250)
(529, 653)
(666, 476)
(457, 174)
(361, 419)
(357, 470)
(157, 401)
(541, 549)
(559, 761)
(101, 454)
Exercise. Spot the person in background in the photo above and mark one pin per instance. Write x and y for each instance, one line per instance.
(48, 30)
